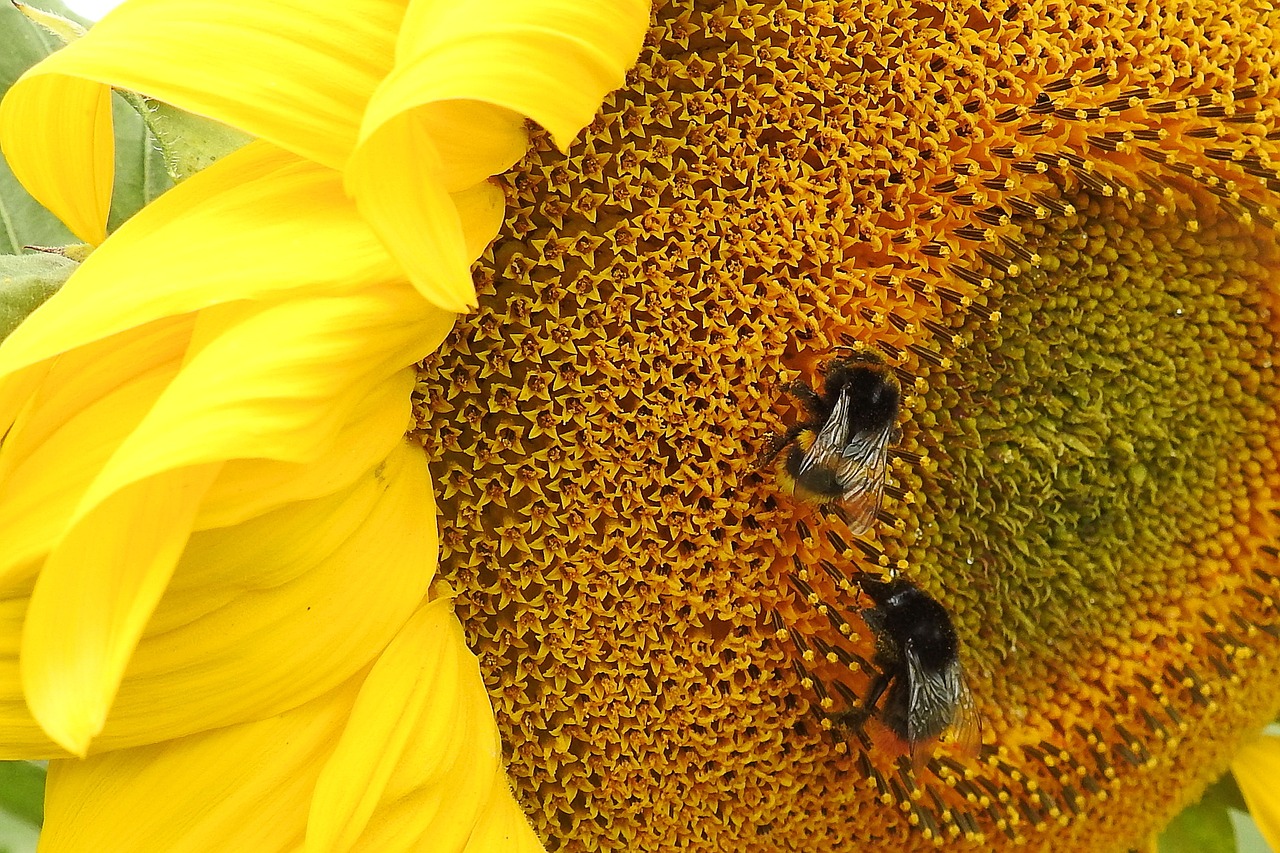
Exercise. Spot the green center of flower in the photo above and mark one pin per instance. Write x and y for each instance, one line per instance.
(1097, 446)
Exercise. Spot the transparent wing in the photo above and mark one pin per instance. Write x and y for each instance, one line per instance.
(829, 445)
(859, 461)
(933, 698)
(966, 727)
(863, 468)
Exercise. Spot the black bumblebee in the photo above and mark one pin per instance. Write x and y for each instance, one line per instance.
(842, 454)
(917, 652)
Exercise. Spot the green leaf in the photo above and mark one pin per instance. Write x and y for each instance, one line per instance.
(1227, 791)
(17, 836)
(26, 281)
(188, 142)
(22, 790)
(140, 172)
(1205, 827)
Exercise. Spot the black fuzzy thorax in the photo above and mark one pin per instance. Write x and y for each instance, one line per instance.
(908, 616)
(872, 388)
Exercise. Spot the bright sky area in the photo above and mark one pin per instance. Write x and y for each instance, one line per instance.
(93, 9)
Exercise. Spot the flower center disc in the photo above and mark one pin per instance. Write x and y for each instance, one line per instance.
(1054, 219)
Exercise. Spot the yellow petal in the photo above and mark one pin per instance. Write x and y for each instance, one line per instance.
(410, 763)
(249, 487)
(16, 391)
(20, 734)
(82, 625)
(86, 404)
(419, 760)
(262, 616)
(550, 60)
(449, 115)
(481, 208)
(502, 826)
(277, 385)
(128, 284)
(472, 140)
(395, 180)
(258, 224)
(56, 135)
(1257, 768)
(297, 74)
(278, 610)
(243, 787)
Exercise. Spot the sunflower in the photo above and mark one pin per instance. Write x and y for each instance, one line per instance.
(219, 548)
(1057, 223)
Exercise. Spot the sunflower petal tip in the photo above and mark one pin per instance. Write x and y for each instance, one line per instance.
(441, 589)
(73, 735)
(450, 300)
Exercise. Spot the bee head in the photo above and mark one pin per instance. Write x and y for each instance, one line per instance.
(912, 617)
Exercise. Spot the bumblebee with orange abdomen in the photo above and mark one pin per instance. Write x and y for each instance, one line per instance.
(920, 679)
(842, 454)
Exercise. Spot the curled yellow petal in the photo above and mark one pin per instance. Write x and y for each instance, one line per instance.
(247, 488)
(297, 74)
(74, 418)
(56, 136)
(19, 731)
(403, 756)
(404, 199)
(419, 757)
(278, 610)
(258, 617)
(244, 787)
(481, 208)
(258, 224)
(277, 384)
(502, 826)
(81, 626)
(451, 114)
(111, 450)
(550, 60)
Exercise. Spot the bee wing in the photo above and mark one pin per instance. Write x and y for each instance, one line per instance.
(863, 469)
(966, 728)
(933, 699)
(829, 444)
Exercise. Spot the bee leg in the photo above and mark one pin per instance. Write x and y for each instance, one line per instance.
(854, 727)
(809, 398)
(776, 444)
(855, 718)
(878, 686)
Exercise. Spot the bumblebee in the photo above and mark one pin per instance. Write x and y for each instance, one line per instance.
(842, 454)
(920, 678)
